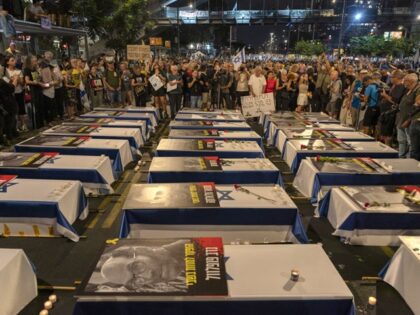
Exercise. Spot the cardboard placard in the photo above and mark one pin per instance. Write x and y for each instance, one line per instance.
(138, 52)
(254, 106)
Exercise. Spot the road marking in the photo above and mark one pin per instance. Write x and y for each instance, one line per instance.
(388, 251)
(94, 221)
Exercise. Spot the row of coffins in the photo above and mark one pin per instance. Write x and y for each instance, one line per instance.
(368, 194)
(212, 232)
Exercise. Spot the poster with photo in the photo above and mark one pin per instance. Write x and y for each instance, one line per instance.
(173, 196)
(159, 267)
(347, 165)
(73, 129)
(27, 160)
(55, 141)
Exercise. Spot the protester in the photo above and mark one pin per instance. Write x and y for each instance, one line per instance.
(371, 99)
(126, 91)
(195, 87)
(11, 74)
(225, 81)
(112, 82)
(303, 87)
(405, 108)
(8, 103)
(414, 130)
(282, 94)
(335, 90)
(204, 79)
(48, 90)
(388, 105)
(271, 83)
(175, 83)
(242, 89)
(160, 94)
(257, 82)
(139, 84)
(32, 81)
(96, 85)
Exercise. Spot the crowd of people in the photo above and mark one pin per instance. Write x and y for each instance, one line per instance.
(381, 99)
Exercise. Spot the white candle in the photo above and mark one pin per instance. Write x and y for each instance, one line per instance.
(48, 305)
(294, 275)
(372, 301)
(52, 298)
(43, 312)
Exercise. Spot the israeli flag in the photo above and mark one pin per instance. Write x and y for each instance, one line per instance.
(84, 97)
(239, 59)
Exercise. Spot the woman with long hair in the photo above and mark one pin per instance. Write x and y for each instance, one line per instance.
(282, 94)
(12, 73)
(160, 94)
(302, 99)
(32, 81)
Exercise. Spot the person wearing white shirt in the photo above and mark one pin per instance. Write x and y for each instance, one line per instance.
(257, 82)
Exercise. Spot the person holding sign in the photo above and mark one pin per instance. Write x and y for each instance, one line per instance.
(160, 93)
(257, 82)
(139, 82)
(174, 88)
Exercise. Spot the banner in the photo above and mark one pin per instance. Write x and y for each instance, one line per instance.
(254, 106)
(138, 52)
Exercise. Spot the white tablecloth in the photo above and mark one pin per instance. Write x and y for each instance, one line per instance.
(219, 125)
(123, 116)
(66, 194)
(403, 274)
(341, 207)
(195, 134)
(275, 127)
(305, 176)
(294, 146)
(264, 272)
(258, 201)
(133, 109)
(285, 135)
(210, 117)
(113, 123)
(100, 164)
(184, 146)
(102, 132)
(122, 145)
(95, 172)
(189, 110)
(18, 284)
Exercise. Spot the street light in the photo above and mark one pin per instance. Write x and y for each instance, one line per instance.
(358, 16)
(418, 17)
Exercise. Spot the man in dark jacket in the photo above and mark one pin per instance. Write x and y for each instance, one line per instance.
(8, 107)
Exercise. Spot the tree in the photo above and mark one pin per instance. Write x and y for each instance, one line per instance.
(309, 48)
(380, 47)
(119, 22)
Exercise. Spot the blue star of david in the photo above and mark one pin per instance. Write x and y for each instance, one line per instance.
(3, 188)
(225, 195)
(51, 160)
